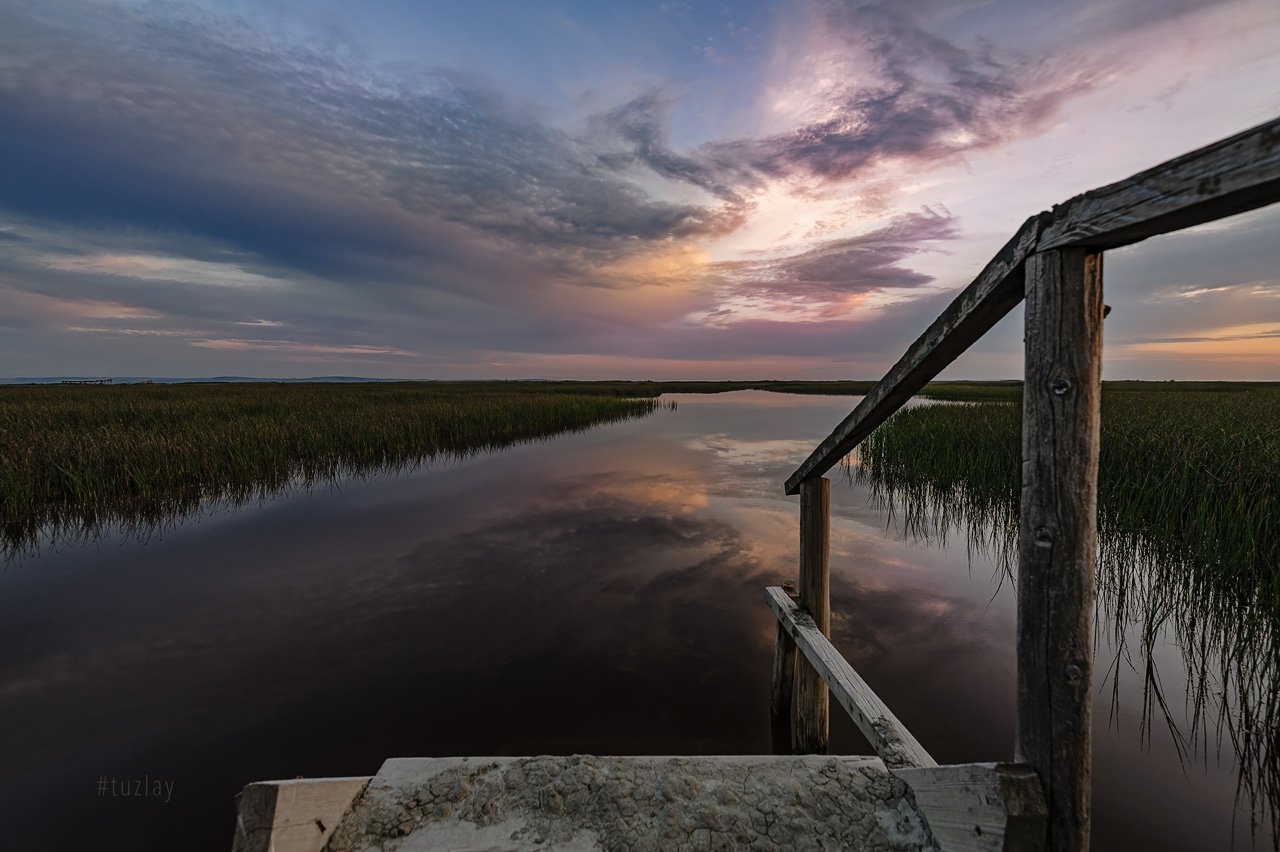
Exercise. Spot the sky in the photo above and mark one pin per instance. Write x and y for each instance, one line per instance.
(571, 189)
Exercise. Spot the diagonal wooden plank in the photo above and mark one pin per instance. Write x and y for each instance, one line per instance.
(889, 737)
(981, 305)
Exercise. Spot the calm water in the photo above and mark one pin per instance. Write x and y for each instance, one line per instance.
(599, 592)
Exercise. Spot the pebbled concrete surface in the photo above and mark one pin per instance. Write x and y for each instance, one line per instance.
(632, 803)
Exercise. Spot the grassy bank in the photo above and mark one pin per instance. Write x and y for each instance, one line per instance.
(78, 457)
(1189, 541)
(1187, 476)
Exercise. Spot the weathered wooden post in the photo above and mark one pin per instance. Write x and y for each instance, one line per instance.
(781, 696)
(812, 701)
(1060, 423)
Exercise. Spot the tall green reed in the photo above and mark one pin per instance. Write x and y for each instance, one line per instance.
(75, 459)
(1189, 543)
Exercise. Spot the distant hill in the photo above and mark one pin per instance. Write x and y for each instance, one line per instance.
(127, 380)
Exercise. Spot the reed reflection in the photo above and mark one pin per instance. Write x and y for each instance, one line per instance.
(602, 592)
(81, 461)
(1189, 534)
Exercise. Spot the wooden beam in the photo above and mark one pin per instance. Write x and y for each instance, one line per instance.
(891, 740)
(1056, 548)
(812, 719)
(292, 816)
(782, 691)
(981, 305)
(1228, 177)
(980, 807)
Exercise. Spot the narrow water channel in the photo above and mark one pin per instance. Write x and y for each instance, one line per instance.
(598, 592)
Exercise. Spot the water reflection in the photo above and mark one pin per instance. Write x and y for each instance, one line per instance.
(602, 592)
(1196, 653)
(141, 464)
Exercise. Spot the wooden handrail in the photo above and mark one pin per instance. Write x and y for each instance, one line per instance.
(889, 737)
(1055, 262)
(1233, 175)
(1230, 176)
(995, 292)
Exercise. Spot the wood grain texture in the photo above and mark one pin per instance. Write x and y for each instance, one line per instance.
(891, 740)
(255, 814)
(1230, 176)
(812, 711)
(292, 816)
(782, 692)
(1060, 427)
(995, 292)
(980, 807)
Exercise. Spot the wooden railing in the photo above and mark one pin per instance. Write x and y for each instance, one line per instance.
(1054, 261)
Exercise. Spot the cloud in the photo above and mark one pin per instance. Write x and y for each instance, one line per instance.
(878, 84)
(1232, 334)
(862, 264)
(173, 176)
(180, 121)
(639, 125)
(171, 119)
(300, 348)
(159, 268)
(153, 156)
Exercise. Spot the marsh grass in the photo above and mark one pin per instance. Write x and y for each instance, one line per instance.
(77, 459)
(1188, 543)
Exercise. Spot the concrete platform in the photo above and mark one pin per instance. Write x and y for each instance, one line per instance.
(588, 802)
(638, 803)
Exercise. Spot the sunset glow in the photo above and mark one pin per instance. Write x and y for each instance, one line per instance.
(567, 190)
